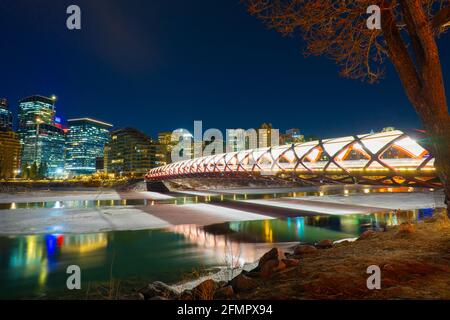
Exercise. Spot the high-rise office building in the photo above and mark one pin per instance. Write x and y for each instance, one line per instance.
(158, 158)
(265, 135)
(130, 152)
(9, 154)
(36, 109)
(85, 142)
(292, 136)
(106, 160)
(235, 140)
(42, 142)
(165, 147)
(241, 139)
(268, 136)
(45, 146)
(9, 144)
(181, 139)
(5, 116)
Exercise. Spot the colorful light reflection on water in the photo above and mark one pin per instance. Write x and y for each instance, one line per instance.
(35, 264)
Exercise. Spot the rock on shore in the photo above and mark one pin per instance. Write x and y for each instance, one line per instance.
(271, 263)
(413, 259)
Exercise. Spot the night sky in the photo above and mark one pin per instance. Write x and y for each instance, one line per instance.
(159, 65)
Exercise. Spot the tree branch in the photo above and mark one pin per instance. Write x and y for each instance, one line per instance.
(441, 19)
(418, 49)
(430, 72)
(400, 57)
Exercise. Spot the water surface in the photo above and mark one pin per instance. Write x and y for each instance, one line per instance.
(33, 265)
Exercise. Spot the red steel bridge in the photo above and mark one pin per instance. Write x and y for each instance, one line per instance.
(387, 158)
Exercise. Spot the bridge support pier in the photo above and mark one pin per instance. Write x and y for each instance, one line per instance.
(157, 186)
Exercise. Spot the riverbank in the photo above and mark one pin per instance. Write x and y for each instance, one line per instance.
(39, 191)
(414, 260)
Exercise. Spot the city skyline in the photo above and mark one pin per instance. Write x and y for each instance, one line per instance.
(198, 74)
(64, 123)
(45, 146)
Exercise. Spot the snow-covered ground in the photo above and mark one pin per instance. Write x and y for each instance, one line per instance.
(316, 206)
(403, 201)
(106, 218)
(63, 220)
(358, 203)
(39, 196)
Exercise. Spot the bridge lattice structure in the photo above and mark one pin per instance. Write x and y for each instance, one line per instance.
(386, 158)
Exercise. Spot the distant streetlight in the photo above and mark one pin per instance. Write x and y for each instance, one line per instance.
(16, 173)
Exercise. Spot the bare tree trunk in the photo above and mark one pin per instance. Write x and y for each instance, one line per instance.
(438, 130)
(422, 80)
(447, 193)
(441, 146)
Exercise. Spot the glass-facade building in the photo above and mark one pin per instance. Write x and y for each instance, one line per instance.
(130, 153)
(292, 136)
(5, 116)
(9, 144)
(9, 154)
(42, 141)
(36, 109)
(45, 146)
(85, 143)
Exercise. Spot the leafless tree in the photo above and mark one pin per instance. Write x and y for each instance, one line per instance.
(408, 34)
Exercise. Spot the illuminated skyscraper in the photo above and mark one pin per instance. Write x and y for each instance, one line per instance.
(130, 153)
(235, 140)
(42, 141)
(165, 147)
(85, 143)
(292, 136)
(267, 136)
(5, 116)
(183, 143)
(9, 154)
(45, 146)
(9, 144)
(36, 109)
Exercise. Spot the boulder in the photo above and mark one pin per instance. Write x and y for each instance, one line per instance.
(272, 266)
(223, 283)
(304, 249)
(367, 234)
(186, 295)
(406, 228)
(205, 290)
(273, 254)
(224, 293)
(158, 289)
(252, 273)
(243, 283)
(324, 244)
(291, 262)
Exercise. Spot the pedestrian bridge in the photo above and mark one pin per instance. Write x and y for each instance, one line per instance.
(386, 158)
